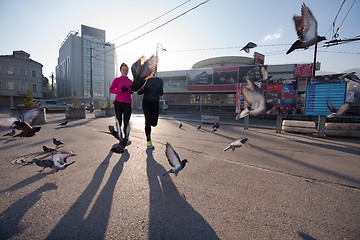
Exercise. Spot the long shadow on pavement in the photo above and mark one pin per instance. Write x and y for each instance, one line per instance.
(11, 217)
(170, 216)
(74, 224)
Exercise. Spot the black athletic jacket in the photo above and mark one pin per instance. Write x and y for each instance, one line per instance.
(153, 89)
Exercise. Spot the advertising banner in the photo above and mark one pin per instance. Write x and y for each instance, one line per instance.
(201, 77)
(227, 75)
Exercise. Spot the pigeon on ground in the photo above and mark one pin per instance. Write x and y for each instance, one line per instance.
(306, 28)
(63, 123)
(23, 123)
(113, 132)
(254, 98)
(57, 162)
(123, 142)
(337, 112)
(238, 143)
(57, 142)
(350, 77)
(199, 127)
(174, 160)
(216, 125)
(180, 125)
(247, 47)
(264, 74)
(12, 133)
(142, 70)
(48, 150)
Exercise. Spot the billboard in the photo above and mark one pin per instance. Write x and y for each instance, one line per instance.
(319, 93)
(201, 77)
(227, 75)
(259, 59)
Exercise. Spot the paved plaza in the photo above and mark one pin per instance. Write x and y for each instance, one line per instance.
(281, 186)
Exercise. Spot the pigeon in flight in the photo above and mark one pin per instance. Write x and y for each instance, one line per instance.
(57, 142)
(48, 150)
(57, 162)
(12, 133)
(247, 47)
(176, 164)
(306, 29)
(142, 70)
(238, 143)
(63, 123)
(336, 112)
(23, 123)
(254, 98)
(350, 77)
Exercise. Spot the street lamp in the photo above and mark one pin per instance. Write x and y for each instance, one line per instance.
(159, 45)
(91, 63)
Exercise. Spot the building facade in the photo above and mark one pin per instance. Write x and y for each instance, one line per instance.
(74, 71)
(19, 72)
(213, 83)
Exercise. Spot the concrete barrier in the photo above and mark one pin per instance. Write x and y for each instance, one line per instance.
(298, 126)
(100, 114)
(342, 130)
(209, 119)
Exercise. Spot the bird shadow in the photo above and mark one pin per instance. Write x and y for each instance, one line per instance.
(305, 236)
(93, 225)
(10, 218)
(170, 215)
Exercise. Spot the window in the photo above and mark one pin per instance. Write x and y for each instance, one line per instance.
(10, 70)
(22, 72)
(10, 85)
(33, 73)
(22, 87)
(34, 88)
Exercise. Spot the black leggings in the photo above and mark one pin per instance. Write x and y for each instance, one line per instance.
(122, 110)
(151, 112)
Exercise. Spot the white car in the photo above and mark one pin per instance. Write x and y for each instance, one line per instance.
(52, 105)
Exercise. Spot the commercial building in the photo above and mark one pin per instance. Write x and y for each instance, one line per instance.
(74, 71)
(19, 72)
(213, 83)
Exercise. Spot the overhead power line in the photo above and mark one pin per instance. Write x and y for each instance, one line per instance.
(150, 21)
(161, 25)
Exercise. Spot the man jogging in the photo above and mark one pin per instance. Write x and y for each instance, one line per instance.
(152, 91)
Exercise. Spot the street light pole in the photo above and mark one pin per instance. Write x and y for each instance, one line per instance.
(159, 45)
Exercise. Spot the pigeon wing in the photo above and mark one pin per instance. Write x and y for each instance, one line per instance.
(343, 108)
(60, 158)
(263, 73)
(299, 26)
(310, 24)
(135, 68)
(8, 122)
(31, 115)
(172, 156)
(149, 67)
(331, 107)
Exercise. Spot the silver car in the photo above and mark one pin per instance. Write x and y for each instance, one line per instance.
(51, 105)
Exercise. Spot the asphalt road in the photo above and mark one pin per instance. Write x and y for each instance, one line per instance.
(283, 186)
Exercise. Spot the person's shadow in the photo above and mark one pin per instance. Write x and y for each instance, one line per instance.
(11, 217)
(75, 224)
(171, 216)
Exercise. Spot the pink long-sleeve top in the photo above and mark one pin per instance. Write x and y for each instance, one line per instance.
(116, 86)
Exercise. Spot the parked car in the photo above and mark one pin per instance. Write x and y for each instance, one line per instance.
(51, 105)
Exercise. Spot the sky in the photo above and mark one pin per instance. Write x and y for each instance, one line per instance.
(213, 29)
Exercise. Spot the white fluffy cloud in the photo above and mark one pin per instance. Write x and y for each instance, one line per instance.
(273, 36)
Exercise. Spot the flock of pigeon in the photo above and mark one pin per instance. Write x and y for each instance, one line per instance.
(306, 28)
